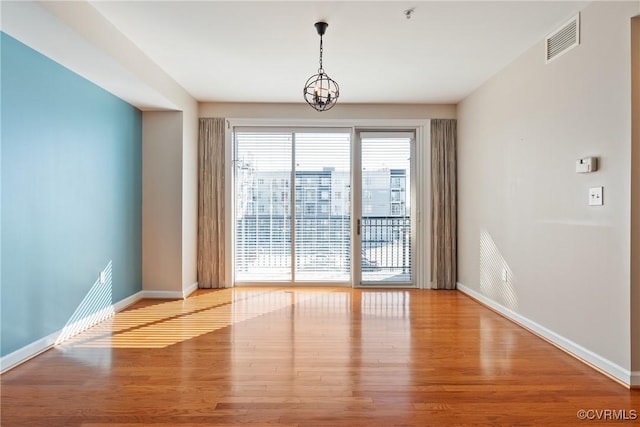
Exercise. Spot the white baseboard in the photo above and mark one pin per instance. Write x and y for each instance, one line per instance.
(163, 294)
(27, 352)
(171, 294)
(189, 289)
(122, 304)
(30, 351)
(596, 361)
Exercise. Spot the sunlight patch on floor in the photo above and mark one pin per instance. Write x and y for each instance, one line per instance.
(170, 322)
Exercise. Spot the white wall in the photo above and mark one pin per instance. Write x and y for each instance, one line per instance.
(161, 200)
(340, 111)
(522, 206)
(189, 195)
(635, 200)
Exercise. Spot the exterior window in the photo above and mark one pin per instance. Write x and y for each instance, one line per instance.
(310, 194)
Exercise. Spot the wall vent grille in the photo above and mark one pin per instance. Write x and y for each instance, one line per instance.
(563, 39)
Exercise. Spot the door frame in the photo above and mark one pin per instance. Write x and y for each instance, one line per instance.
(422, 187)
(356, 207)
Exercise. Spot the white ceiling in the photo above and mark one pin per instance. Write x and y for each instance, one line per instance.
(264, 51)
(239, 51)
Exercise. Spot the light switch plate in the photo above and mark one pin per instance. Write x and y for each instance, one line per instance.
(595, 196)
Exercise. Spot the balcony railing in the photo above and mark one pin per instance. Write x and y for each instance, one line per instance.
(386, 248)
(263, 244)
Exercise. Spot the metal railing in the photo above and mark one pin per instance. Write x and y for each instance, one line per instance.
(386, 244)
(264, 242)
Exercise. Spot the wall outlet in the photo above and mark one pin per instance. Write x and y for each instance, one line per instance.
(595, 196)
(504, 275)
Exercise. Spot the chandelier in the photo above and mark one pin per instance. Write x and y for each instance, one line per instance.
(320, 91)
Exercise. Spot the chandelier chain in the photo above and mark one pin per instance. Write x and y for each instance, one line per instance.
(320, 55)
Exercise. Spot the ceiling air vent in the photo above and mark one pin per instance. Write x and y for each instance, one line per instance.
(563, 39)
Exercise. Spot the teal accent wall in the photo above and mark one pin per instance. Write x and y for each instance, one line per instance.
(71, 191)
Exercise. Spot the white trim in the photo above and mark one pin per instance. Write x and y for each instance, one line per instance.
(299, 285)
(583, 354)
(382, 134)
(30, 351)
(122, 304)
(189, 290)
(27, 352)
(386, 285)
(163, 294)
(423, 207)
(356, 204)
(320, 123)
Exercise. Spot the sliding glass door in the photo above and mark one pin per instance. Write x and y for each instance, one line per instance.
(385, 212)
(292, 206)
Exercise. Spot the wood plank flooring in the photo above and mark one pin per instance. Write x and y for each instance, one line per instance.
(309, 357)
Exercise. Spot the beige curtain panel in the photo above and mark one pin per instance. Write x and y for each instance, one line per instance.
(443, 204)
(211, 256)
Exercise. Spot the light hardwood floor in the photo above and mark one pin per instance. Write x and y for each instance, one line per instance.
(308, 357)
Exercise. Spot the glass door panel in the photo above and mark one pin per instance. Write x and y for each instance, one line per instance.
(263, 206)
(292, 206)
(322, 215)
(386, 224)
